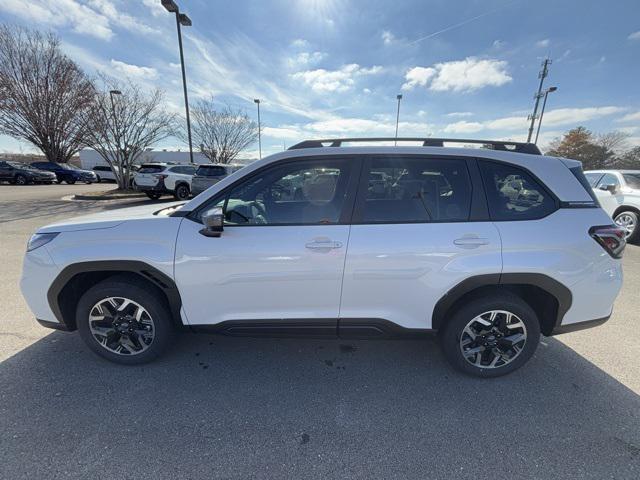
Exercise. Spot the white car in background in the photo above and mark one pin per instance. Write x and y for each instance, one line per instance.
(157, 179)
(624, 187)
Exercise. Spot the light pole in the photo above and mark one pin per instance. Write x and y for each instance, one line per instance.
(257, 102)
(185, 21)
(544, 104)
(399, 97)
(542, 75)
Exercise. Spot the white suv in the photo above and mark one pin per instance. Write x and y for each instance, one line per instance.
(157, 179)
(624, 186)
(489, 247)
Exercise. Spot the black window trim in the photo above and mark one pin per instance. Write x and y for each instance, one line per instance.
(346, 214)
(478, 209)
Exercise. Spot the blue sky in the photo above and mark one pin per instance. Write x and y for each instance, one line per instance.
(324, 68)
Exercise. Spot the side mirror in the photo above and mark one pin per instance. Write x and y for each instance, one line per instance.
(609, 187)
(213, 221)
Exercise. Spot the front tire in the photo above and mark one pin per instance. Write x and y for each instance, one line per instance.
(182, 192)
(70, 181)
(21, 180)
(628, 220)
(124, 321)
(153, 195)
(491, 336)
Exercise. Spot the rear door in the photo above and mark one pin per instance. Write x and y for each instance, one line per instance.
(420, 227)
(280, 258)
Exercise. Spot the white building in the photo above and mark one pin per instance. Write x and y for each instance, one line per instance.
(90, 158)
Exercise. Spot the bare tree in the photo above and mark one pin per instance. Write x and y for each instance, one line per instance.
(222, 134)
(42, 93)
(123, 125)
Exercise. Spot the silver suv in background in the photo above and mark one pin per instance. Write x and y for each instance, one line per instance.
(208, 175)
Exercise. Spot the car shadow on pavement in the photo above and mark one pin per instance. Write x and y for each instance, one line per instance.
(288, 408)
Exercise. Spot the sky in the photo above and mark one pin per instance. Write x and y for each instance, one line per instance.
(327, 68)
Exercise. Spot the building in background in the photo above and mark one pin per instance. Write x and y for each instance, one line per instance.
(90, 158)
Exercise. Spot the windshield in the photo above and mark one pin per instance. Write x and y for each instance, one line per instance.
(632, 179)
(21, 165)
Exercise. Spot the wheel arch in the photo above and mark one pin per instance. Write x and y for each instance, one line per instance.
(77, 278)
(549, 298)
(625, 208)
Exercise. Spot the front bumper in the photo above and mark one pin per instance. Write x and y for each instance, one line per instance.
(38, 272)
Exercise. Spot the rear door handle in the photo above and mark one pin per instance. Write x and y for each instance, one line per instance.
(470, 242)
(323, 244)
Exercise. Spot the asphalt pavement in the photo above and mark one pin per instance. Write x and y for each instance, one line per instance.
(236, 408)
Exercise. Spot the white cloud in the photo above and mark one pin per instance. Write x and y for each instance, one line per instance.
(366, 90)
(498, 44)
(565, 116)
(341, 80)
(121, 19)
(464, 127)
(299, 43)
(459, 76)
(634, 36)
(303, 59)
(387, 37)
(133, 71)
(543, 43)
(460, 114)
(155, 7)
(630, 117)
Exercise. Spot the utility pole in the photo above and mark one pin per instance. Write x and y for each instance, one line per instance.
(544, 104)
(257, 102)
(542, 75)
(398, 97)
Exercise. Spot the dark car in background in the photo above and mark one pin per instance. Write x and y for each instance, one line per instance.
(22, 174)
(67, 173)
(208, 175)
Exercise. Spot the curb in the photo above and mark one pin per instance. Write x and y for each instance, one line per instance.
(106, 197)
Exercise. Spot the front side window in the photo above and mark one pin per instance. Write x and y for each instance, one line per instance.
(608, 179)
(593, 178)
(407, 190)
(513, 194)
(296, 193)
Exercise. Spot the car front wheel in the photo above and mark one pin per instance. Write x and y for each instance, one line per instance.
(491, 336)
(629, 221)
(153, 195)
(124, 321)
(70, 181)
(21, 180)
(182, 192)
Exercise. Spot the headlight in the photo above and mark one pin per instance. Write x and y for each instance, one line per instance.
(39, 239)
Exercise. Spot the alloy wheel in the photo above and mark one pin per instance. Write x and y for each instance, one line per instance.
(627, 221)
(493, 339)
(121, 326)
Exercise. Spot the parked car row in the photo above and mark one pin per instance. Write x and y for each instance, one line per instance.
(181, 181)
(43, 172)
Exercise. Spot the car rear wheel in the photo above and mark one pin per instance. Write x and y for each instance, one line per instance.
(182, 192)
(124, 321)
(70, 181)
(153, 195)
(491, 336)
(629, 221)
(21, 180)
(98, 179)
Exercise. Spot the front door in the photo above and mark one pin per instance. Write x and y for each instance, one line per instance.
(281, 255)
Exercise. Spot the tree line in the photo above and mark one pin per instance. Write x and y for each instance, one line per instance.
(47, 100)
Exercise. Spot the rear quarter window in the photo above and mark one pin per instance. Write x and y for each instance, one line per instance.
(514, 194)
(151, 169)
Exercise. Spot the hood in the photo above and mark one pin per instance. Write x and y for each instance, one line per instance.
(111, 218)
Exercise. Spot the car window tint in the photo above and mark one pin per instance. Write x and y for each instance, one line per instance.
(593, 178)
(297, 193)
(632, 179)
(513, 194)
(211, 171)
(405, 189)
(151, 169)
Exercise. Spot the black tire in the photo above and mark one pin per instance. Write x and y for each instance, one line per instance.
(147, 297)
(21, 180)
(451, 334)
(88, 183)
(70, 181)
(98, 179)
(153, 195)
(58, 181)
(634, 236)
(182, 192)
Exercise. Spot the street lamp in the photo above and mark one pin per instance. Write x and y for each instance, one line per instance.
(257, 102)
(544, 104)
(398, 97)
(185, 21)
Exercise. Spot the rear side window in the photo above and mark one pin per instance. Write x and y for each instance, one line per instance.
(513, 194)
(584, 181)
(151, 169)
(210, 171)
(416, 190)
(593, 178)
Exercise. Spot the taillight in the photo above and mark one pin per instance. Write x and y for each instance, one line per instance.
(611, 238)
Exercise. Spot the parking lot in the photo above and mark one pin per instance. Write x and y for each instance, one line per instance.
(220, 407)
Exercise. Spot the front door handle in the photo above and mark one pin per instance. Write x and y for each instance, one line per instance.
(323, 244)
(470, 242)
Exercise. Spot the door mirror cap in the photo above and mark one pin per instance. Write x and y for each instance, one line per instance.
(213, 221)
(609, 187)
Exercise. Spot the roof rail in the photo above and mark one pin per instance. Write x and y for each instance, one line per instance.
(506, 146)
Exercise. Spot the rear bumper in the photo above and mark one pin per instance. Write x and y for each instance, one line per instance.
(159, 187)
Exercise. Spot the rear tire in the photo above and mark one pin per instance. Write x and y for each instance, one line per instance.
(21, 180)
(153, 195)
(70, 181)
(104, 336)
(500, 349)
(628, 219)
(182, 192)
